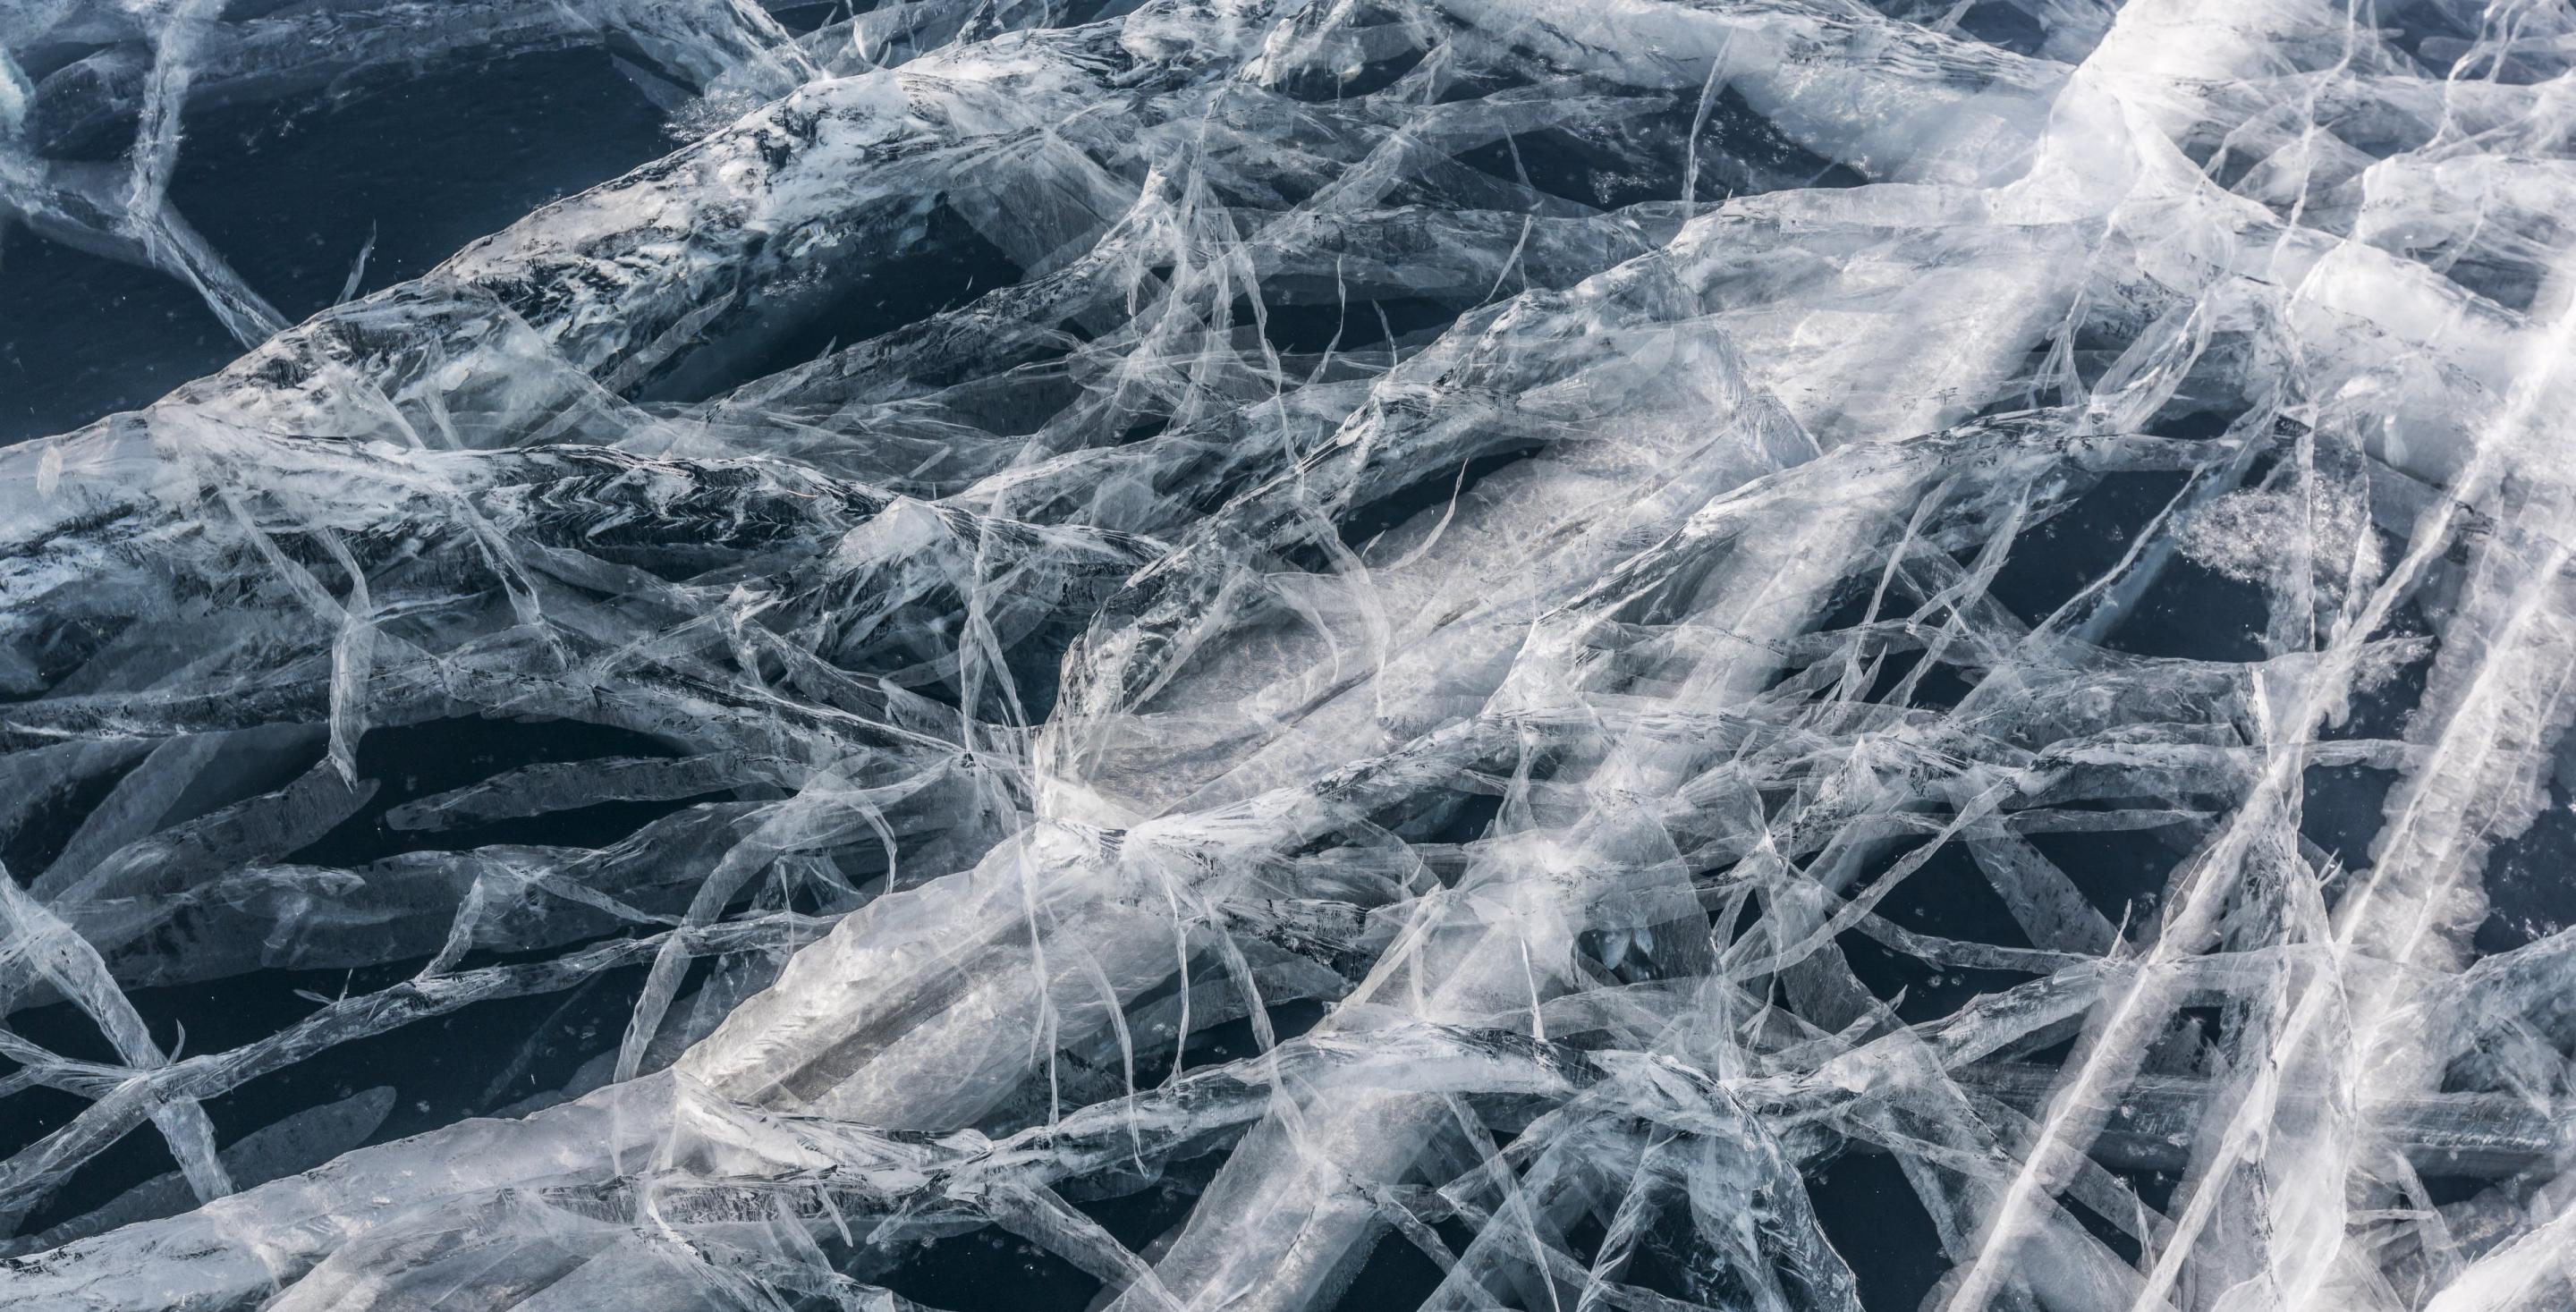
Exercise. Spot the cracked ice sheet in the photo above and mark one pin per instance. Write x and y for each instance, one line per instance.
(1508, 631)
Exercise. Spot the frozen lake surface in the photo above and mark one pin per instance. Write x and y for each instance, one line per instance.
(1288, 655)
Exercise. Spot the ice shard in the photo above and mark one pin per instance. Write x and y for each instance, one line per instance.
(1313, 655)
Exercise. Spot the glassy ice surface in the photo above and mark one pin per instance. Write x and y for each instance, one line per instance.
(1288, 655)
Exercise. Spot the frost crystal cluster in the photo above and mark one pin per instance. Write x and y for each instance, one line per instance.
(1279, 655)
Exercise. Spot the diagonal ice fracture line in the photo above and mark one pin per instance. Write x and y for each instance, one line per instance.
(31, 934)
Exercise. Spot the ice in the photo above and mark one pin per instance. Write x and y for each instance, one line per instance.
(304, 1139)
(1510, 640)
(136, 56)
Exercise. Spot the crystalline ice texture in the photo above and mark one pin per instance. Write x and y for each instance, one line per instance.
(1508, 630)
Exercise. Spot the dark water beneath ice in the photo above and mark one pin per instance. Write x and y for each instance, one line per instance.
(289, 193)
